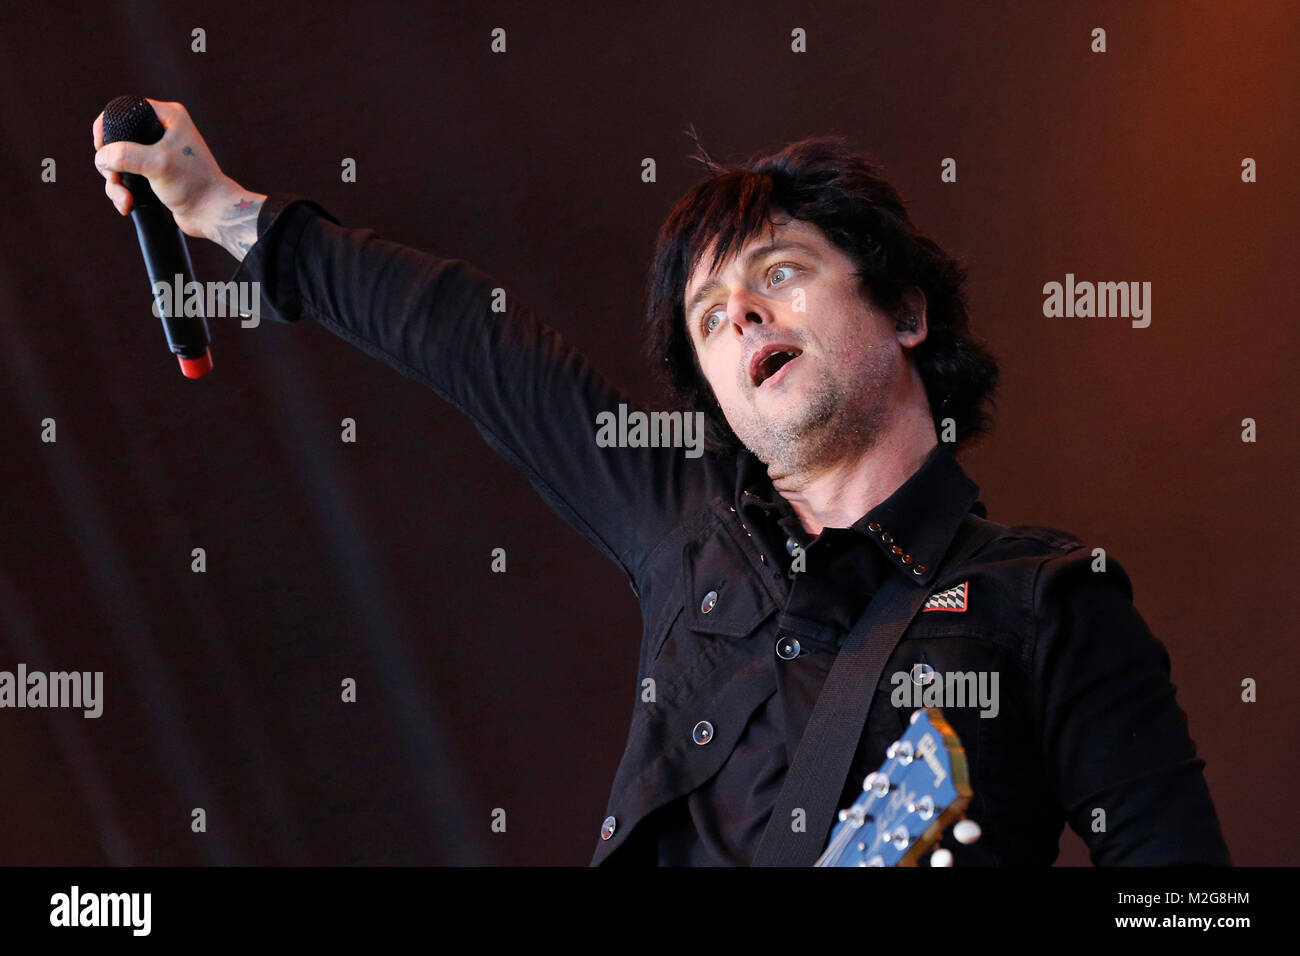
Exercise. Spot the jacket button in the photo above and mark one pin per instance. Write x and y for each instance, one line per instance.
(919, 569)
(710, 602)
(887, 538)
(874, 526)
(907, 559)
(896, 549)
(702, 733)
(607, 828)
(787, 648)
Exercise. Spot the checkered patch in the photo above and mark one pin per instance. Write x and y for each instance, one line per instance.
(953, 599)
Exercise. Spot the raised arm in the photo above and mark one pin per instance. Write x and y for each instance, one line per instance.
(443, 322)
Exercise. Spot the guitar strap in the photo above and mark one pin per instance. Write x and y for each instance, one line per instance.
(824, 756)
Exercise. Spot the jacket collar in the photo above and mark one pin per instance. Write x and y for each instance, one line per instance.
(914, 527)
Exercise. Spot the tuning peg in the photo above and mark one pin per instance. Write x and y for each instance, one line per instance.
(856, 816)
(900, 750)
(924, 807)
(878, 783)
(900, 838)
(941, 857)
(966, 831)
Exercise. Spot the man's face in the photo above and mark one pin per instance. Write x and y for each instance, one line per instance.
(805, 368)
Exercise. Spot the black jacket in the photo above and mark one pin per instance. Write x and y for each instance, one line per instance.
(735, 645)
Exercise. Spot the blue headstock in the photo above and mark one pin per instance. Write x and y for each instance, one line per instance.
(906, 805)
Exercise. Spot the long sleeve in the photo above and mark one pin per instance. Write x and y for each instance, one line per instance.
(1115, 741)
(533, 398)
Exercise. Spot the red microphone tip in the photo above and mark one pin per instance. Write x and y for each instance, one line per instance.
(196, 368)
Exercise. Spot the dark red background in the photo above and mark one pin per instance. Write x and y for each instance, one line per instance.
(371, 560)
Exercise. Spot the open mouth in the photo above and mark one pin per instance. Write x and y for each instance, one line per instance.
(770, 361)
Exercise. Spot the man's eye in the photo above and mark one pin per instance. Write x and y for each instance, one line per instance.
(783, 267)
(709, 323)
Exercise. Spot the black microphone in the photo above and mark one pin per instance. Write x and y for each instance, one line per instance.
(166, 257)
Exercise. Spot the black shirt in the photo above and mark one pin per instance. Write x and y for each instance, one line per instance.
(1086, 729)
(722, 822)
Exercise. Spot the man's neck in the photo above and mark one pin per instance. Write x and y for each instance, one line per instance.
(835, 494)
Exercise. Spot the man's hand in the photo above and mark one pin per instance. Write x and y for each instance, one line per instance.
(204, 201)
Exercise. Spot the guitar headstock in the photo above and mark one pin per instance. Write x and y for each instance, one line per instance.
(906, 805)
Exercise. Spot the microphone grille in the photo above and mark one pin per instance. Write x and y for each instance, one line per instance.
(131, 119)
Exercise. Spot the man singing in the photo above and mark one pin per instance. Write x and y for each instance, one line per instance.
(824, 338)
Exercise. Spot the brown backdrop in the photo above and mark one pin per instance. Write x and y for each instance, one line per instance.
(325, 560)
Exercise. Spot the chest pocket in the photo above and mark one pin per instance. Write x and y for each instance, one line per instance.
(719, 593)
(725, 594)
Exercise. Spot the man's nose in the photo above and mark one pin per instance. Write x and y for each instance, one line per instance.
(744, 310)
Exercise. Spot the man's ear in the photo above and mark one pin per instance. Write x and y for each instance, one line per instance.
(912, 325)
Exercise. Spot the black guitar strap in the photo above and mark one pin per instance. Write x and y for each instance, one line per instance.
(824, 756)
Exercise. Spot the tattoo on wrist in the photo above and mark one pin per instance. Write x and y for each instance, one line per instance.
(237, 229)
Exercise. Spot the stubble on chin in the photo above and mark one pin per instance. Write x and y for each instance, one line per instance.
(834, 422)
(791, 442)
